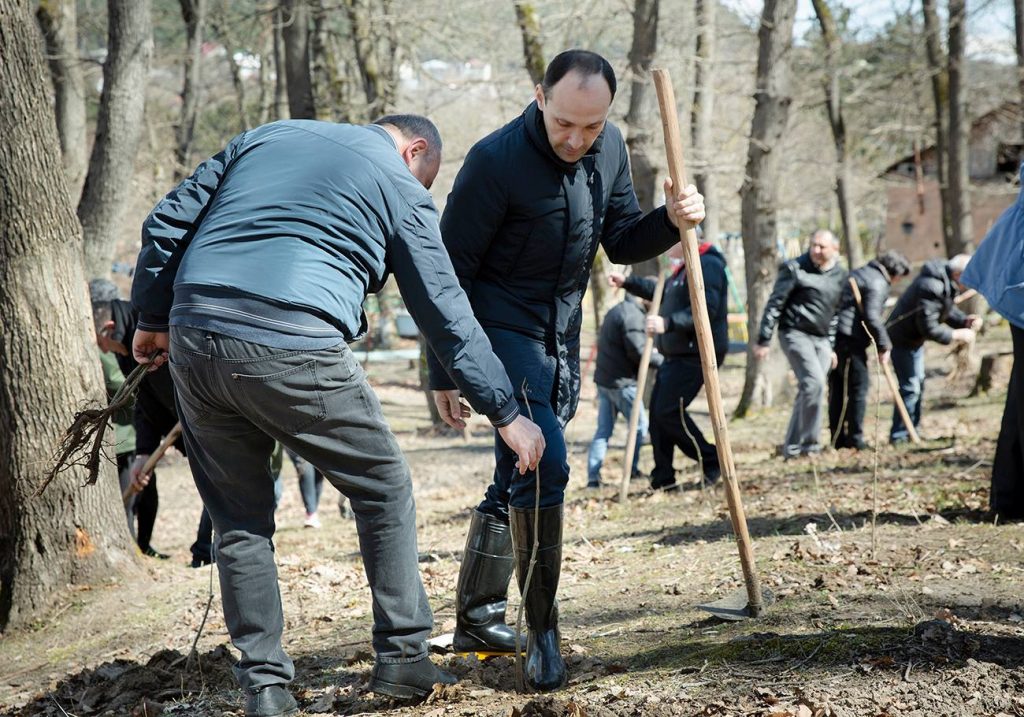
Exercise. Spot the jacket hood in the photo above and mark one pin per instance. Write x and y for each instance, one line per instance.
(936, 269)
(538, 136)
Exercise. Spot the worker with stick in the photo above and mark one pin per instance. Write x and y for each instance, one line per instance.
(258, 355)
(848, 382)
(680, 377)
(925, 312)
(528, 211)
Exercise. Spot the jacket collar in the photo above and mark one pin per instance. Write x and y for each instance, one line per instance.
(881, 269)
(533, 118)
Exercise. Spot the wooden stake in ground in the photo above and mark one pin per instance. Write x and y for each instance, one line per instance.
(755, 603)
(153, 459)
(641, 383)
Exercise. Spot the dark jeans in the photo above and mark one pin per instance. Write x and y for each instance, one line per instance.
(679, 381)
(848, 384)
(527, 360)
(235, 399)
(311, 482)
(908, 364)
(1007, 498)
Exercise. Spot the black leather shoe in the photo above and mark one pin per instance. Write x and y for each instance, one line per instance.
(271, 701)
(407, 680)
(150, 552)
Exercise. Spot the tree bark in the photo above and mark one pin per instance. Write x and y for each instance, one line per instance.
(641, 113)
(295, 31)
(759, 191)
(533, 50)
(280, 107)
(108, 185)
(834, 109)
(940, 98)
(962, 234)
(68, 534)
(193, 12)
(327, 82)
(376, 63)
(703, 113)
(1018, 27)
(220, 28)
(59, 24)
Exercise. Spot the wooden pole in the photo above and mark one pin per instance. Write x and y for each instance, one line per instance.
(702, 324)
(153, 459)
(641, 382)
(894, 388)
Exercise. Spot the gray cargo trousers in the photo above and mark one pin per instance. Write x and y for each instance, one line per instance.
(235, 398)
(811, 359)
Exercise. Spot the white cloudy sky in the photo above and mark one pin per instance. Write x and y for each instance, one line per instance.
(990, 22)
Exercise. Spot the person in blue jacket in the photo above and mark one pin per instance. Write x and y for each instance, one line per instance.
(258, 265)
(996, 271)
(529, 209)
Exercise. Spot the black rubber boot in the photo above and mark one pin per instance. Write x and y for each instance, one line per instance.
(482, 593)
(545, 668)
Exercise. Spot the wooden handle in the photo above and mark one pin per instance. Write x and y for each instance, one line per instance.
(702, 324)
(153, 459)
(641, 382)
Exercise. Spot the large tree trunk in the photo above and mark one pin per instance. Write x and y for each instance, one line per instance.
(375, 62)
(962, 239)
(108, 185)
(533, 50)
(328, 83)
(295, 31)
(702, 116)
(763, 173)
(58, 22)
(48, 363)
(834, 109)
(940, 98)
(641, 114)
(280, 104)
(193, 12)
(1018, 26)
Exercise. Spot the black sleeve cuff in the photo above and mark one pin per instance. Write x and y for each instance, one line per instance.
(153, 322)
(506, 414)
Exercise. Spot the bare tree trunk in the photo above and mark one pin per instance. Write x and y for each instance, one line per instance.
(327, 82)
(763, 173)
(940, 98)
(598, 293)
(640, 117)
(295, 30)
(193, 13)
(1018, 26)
(959, 131)
(108, 185)
(227, 39)
(59, 24)
(424, 374)
(533, 51)
(703, 113)
(834, 109)
(376, 64)
(280, 72)
(69, 534)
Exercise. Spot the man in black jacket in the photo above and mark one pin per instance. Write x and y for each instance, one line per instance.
(925, 312)
(680, 377)
(848, 382)
(620, 346)
(803, 305)
(259, 264)
(526, 215)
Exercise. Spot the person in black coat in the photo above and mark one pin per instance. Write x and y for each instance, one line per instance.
(527, 213)
(848, 382)
(680, 376)
(925, 312)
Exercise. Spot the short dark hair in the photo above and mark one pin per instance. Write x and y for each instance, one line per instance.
(413, 127)
(102, 293)
(584, 62)
(895, 263)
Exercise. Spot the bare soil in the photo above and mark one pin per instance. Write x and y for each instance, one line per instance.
(897, 594)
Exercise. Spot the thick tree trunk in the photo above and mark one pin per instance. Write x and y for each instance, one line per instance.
(703, 113)
(940, 98)
(327, 81)
(962, 239)
(1018, 26)
(58, 22)
(193, 12)
(48, 363)
(640, 118)
(295, 31)
(108, 185)
(834, 109)
(763, 173)
(375, 62)
(533, 50)
(280, 107)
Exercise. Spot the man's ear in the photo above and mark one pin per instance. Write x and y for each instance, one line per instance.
(538, 94)
(108, 326)
(416, 148)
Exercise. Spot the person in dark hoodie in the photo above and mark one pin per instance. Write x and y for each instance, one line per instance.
(529, 209)
(680, 376)
(803, 305)
(925, 312)
(848, 382)
(253, 272)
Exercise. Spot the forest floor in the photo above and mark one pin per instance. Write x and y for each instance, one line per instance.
(897, 594)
